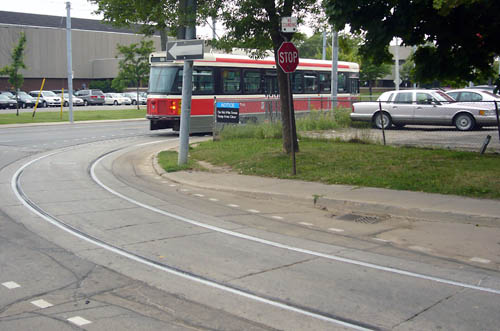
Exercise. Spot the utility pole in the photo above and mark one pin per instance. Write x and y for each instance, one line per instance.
(335, 60)
(397, 80)
(70, 61)
(187, 87)
(323, 54)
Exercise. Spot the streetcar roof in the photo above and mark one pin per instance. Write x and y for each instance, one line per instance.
(216, 59)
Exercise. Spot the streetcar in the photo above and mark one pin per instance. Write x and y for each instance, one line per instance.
(239, 78)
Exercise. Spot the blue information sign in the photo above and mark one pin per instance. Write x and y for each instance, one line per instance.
(228, 112)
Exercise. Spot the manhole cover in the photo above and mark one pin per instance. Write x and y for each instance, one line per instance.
(359, 218)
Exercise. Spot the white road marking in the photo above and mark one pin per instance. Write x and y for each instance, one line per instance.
(306, 224)
(42, 303)
(213, 199)
(277, 217)
(184, 190)
(255, 211)
(199, 195)
(335, 230)
(80, 321)
(11, 285)
(172, 185)
(382, 240)
(480, 260)
(233, 205)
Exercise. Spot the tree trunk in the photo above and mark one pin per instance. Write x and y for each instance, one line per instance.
(137, 90)
(370, 89)
(287, 111)
(17, 104)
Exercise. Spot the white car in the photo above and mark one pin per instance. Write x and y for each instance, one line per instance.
(475, 97)
(133, 97)
(76, 100)
(47, 98)
(116, 99)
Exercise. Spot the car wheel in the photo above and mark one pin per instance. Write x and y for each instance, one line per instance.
(44, 104)
(134, 102)
(24, 105)
(464, 122)
(85, 103)
(66, 104)
(115, 103)
(377, 120)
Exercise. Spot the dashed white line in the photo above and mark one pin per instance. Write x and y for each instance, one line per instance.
(172, 185)
(306, 224)
(480, 260)
(11, 285)
(382, 240)
(335, 230)
(213, 199)
(198, 195)
(277, 217)
(184, 190)
(255, 211)
(233, 205)
(41, 303)
(80, 321)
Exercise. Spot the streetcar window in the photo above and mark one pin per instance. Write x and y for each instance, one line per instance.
(231, 80)
(251, 81)
(165, 80)
(325, 82)
(342, 86)
(203, 81)
(298, 82)
(310, 83)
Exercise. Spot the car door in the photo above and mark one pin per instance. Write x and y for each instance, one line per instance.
(430, 111)
(402, 108)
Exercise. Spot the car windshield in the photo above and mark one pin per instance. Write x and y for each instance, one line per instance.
(4, 97)
(491, 94)
(165, 80)
(48, 94)
(441, 96)
(23, 94)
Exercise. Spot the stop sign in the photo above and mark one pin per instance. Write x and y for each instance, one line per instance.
(288, 57)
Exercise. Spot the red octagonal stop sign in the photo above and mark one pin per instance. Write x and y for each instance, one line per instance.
(288, 57)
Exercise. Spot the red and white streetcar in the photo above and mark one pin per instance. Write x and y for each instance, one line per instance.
(240, 79)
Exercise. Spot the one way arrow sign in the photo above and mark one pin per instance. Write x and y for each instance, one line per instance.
(185, 49)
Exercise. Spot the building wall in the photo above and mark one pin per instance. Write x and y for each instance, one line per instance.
(94, 55)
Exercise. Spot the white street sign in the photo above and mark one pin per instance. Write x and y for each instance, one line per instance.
(185, 49)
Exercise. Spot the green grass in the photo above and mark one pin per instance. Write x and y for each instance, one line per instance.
(168, 160)
(90, 115)
(335, 162)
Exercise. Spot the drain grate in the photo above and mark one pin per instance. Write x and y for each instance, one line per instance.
(359, 218)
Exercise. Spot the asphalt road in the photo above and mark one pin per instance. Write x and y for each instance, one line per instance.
(93, 238)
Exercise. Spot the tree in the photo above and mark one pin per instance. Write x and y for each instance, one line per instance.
(16, 79)
(255, 25)
(371, 71)
(460, 37)
(312, 47)
(134, 66)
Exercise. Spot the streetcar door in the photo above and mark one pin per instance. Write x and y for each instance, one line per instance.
(271, 84)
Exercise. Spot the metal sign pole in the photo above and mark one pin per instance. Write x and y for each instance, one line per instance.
(290, 100)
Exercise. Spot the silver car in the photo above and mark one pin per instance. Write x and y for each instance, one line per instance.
(423, 107)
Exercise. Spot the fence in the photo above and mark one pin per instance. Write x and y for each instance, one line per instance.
(336, 117)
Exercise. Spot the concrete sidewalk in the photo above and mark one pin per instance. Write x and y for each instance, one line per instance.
(420, 205)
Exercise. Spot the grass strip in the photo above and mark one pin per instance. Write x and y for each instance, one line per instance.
(82, 115)
(335, 162)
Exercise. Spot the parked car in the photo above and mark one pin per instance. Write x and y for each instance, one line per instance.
(47, 98)
(423, 107)
(116, 99)
(475, 97)
(25, 100)
(133, 97)
(76, 100)
(490, 88)
(91, 97)
(7, 102)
